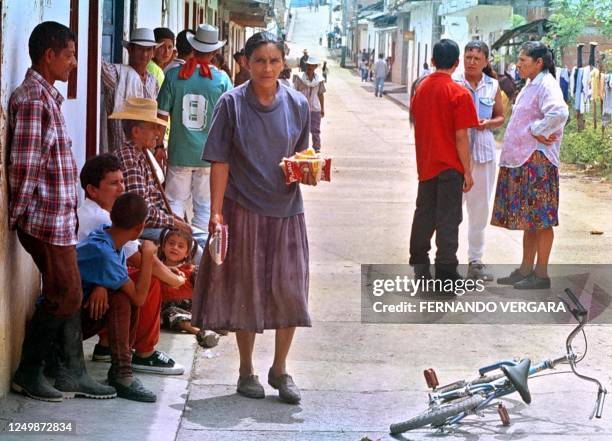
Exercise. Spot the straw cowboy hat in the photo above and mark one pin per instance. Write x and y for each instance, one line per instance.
(141, 37)
(206, 39)
(139, 109)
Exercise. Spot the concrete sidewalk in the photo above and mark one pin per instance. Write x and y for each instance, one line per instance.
(116, 419)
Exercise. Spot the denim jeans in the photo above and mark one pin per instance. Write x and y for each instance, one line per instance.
(439, 210)
(201, 237)
(379, 85)
(183, 183)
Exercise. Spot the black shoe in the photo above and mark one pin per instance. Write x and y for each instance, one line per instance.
(421, 270)
(35, 385)
(72, 378)
(157, 363)
(533, 282)
(514, 277)
(101, 353)
(135, 391)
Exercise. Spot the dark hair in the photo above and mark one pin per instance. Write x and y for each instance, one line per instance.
(95, 169)
(128, 211)
(48, 35)
(537, 49)
(381, 55)
(128, 125)
(162, 33)
(481, 46)
(261, 39)
(445, 53)
(425, 66)
(182, 45)
(167, 233)
(238, 54)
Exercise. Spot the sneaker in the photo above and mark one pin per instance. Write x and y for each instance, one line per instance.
(478, 271)
(157, 363)
(533, 282)
(514, 277)
(135, 391)
(101, 353)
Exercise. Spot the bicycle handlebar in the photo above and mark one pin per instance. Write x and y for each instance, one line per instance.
(580, 310)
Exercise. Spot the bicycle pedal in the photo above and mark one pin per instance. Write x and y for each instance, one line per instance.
(431, 378)
(503, 414)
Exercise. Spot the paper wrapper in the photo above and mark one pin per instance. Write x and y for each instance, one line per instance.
(217, 246)
(308, 161)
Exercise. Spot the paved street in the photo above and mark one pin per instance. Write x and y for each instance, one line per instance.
(356, 379)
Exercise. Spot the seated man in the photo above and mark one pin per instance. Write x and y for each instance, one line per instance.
(116, 298)
(141, 126)
(102, 181)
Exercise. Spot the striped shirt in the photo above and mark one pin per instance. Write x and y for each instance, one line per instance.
(482, 142)
(43, 174)
(139, 179)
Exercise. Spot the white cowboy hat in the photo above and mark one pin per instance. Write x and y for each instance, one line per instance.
(206, 39)
(141, 37)
(313, 60)
(139, 109)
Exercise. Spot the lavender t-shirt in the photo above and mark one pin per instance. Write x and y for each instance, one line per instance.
(253, 139)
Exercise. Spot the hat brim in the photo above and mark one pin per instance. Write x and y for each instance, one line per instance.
(137, 117)
(126, 43)
(313, 63)
(204, 47)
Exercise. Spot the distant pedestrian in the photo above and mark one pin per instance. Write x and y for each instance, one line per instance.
(325, 71)
(363, 70)
(303, 61)
(313, 88)
(380, 73)
(243, 74)
(527, 196)
(426, 71)
(443, 111)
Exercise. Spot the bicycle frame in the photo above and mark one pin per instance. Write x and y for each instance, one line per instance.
(502, 386)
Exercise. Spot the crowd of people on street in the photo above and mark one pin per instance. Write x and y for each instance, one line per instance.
(131, 258)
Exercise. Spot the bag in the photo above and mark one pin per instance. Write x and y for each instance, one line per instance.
(217, 246)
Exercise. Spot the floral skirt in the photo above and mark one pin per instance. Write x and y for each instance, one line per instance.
(527, 197)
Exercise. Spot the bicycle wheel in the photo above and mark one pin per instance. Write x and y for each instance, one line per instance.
(438, 416)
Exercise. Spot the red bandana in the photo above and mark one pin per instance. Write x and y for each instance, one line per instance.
(191, 64)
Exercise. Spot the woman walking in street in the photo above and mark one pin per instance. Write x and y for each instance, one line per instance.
(527, 196)
(263, 282)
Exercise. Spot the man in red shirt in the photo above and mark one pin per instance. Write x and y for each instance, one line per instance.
(442, 112)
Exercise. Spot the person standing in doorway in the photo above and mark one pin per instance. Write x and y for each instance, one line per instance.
(442, 111)
(380, 73)
(481, 81)
(243, 74)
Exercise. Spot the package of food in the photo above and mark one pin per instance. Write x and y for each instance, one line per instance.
(307, 161)
(217, 246)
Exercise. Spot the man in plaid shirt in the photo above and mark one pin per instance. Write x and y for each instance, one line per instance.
(43, 203)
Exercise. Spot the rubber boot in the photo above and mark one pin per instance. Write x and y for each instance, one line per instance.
(72, 378)
(40, 336)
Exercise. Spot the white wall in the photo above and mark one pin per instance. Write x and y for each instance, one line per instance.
(149, 13)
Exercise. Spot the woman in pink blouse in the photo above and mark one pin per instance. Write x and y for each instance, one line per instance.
(527, 195)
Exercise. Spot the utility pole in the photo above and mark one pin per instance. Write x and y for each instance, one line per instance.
(344, 32)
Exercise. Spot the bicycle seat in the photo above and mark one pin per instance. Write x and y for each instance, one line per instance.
(518, 377)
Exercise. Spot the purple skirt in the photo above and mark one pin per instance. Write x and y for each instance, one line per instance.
(263, 282)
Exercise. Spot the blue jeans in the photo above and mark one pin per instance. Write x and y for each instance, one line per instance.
(200, 236)
(364, 74)
(379, 85)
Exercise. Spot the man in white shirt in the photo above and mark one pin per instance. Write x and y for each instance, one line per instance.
(102, 181)
(380, 73)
